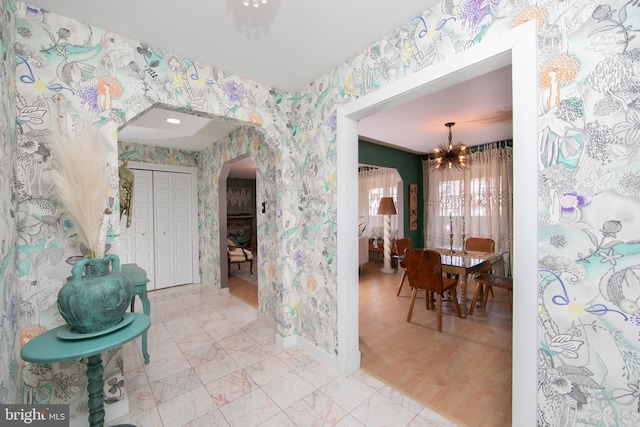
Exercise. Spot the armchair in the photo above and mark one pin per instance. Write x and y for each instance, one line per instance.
(238, 254)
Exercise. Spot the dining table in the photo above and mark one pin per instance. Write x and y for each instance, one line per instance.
(464, 264)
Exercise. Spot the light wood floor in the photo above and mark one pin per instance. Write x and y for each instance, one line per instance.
(464, 372)
(243, 290)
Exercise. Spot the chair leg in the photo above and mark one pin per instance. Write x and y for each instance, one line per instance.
(474, 300)
(251, 266)
(486, 295)
(439, 312)
(454, 294)
(414, 292)
(404, 273)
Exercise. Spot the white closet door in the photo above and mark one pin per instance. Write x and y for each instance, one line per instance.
(136, 242)
(172, 226)
(182, 247)
(160, 239)
(164, 228)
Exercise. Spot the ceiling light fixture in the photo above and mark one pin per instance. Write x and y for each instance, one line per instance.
(255, 3)
(452, 155)
(173, 121)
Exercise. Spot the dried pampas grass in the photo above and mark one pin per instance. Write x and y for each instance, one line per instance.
(81, 183)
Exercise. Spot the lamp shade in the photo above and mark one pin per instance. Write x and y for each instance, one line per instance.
(387, 207)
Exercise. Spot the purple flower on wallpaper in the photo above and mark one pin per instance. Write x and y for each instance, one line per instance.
(472, 12)
(232, 91)
(332, 123)
(298, 258)
(570, 203)
(88, 93)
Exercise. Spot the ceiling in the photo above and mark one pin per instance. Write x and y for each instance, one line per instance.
(323, 34)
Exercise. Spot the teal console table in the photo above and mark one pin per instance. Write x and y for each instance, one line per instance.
(48, 347)
(138, 278)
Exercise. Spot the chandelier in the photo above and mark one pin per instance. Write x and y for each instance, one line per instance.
(255, 3)
(451, 156)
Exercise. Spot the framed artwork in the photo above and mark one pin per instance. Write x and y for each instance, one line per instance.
(239, 201)
(413, 206)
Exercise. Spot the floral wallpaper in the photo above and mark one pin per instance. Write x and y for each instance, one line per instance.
(9, 361)
(158, 155)
(588, 79)
(589, 324)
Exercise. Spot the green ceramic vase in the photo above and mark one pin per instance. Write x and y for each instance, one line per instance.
(96, 296)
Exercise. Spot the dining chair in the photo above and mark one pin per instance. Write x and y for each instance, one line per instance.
(401, 246)
(489, 280)
(424, 270)
(480, 244)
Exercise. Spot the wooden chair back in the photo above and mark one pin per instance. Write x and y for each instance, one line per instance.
(401, 246)
(424, 269)
(480, 244)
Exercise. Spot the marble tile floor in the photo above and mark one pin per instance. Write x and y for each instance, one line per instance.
(213, 363)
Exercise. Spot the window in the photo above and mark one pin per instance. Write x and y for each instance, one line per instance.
(454, 190)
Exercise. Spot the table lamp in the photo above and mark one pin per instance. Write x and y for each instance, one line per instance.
(387, 208)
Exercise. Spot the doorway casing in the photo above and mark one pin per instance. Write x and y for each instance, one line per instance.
(518, 48)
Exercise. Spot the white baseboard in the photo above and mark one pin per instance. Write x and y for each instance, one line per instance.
(302, 344)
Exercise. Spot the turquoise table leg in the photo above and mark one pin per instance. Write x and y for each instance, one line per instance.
(141, 291)
(139, 280)
(146, 308)
(96, 396)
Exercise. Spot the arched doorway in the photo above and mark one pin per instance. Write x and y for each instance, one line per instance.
(238, 211)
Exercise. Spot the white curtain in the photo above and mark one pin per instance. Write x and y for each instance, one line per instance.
(479, 197)
(374, 183)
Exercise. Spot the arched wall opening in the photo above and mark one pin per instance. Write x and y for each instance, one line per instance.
(222, 203)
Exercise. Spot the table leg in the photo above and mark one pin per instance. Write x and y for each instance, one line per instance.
(146, 308)
(96, 396)
(462, 281)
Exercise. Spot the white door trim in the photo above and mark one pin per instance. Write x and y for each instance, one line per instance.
(516, 47)
(193, 171)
